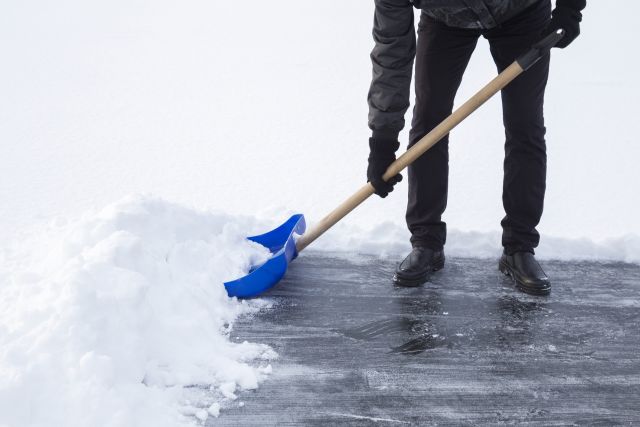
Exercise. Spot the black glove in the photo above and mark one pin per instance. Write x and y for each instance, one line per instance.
(567, 16)
(383, 148)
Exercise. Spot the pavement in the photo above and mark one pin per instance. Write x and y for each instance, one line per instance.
(466, 349)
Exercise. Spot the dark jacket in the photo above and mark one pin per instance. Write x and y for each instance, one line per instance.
(395, 47)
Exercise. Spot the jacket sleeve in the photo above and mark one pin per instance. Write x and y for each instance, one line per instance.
(392, 58)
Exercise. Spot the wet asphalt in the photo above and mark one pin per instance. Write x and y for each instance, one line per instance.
(465, 349)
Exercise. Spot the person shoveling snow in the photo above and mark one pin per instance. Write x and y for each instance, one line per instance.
(447, 37)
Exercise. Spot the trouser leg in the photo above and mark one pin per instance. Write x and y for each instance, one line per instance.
(442, 55)
(525, 162)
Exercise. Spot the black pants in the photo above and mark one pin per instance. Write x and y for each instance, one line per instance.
(442, 56)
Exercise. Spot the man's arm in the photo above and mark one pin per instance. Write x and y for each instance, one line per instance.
(392, 58)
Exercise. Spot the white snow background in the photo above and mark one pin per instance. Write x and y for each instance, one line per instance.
(233, 115)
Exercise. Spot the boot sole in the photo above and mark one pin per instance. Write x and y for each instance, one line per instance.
(508, 271)
(415, 282)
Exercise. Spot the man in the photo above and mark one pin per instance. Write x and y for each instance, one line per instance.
(447, 35)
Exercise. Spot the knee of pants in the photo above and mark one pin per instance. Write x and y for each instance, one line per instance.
(527, 138)
(524, 121)
(433, 161)
(440, 150)
(416, 134)
(425, 122)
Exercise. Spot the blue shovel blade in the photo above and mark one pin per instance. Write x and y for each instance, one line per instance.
(282, 245)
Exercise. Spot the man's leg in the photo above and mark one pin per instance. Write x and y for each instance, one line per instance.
(442, 56)
(525, 163)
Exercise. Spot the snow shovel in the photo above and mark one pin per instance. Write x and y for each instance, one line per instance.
(283, 241)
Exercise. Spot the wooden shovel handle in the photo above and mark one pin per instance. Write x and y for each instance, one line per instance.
(523, 63)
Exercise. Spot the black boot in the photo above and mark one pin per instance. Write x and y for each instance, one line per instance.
(417, 266)
(525, 271)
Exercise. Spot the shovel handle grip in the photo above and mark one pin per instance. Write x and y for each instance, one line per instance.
(540, 49)
(497, 84)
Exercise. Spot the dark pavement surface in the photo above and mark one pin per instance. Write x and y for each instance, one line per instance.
(464, 349)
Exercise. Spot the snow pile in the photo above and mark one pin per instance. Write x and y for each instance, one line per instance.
(391, 240)
(122, 319)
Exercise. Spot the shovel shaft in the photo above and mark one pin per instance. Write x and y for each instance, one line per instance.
(418, 149)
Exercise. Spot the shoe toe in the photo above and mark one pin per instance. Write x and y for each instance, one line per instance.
(526, 272)
(412, 265)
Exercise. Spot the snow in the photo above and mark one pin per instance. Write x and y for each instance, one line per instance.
(260, 107)
(113, 319)
(214, 410)
(392, 240)
(234, 116)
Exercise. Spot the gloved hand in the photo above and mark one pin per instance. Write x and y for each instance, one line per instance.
(567, 16)
(383, 147)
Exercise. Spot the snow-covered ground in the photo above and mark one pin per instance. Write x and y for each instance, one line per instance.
(233, 115)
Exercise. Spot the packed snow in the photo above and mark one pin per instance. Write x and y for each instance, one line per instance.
(121, 319)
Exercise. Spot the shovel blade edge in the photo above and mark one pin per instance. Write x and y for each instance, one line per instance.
(281, 242)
